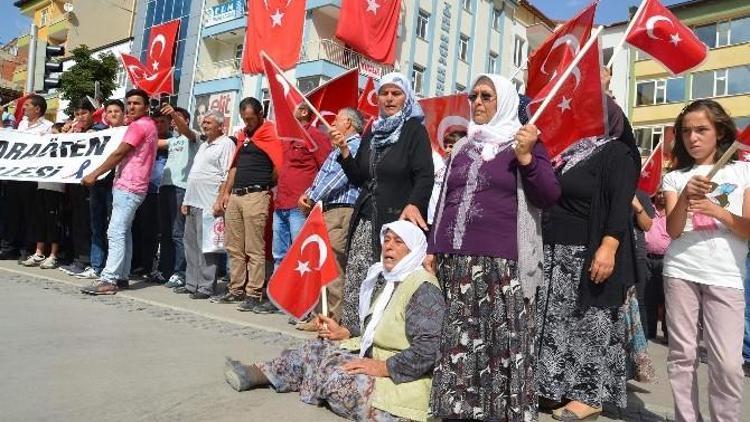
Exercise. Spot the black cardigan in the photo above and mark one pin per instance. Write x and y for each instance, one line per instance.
(611, 176)
(404, 176)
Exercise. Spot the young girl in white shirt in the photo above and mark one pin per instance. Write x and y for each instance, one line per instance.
(705, 264)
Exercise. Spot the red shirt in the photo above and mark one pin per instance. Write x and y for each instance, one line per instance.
(300, 167)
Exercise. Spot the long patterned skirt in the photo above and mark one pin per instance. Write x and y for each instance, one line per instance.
(486, 369)
(582, 355)
(359, 260)
(315, 371)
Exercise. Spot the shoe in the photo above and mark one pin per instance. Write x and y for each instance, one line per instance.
(227, 298)
(746, 369)
(566, 415)
(249, 304)
(123, 284)
(182, 290)
(88, 273)
(199, 295)
(138, 273)
(265, 307)
(72, 269)
(49, 263)
(174, 281)
(155, 277)
(33, 260)
(307, 325)
(8, 254)
(100, 287)
(243, 377)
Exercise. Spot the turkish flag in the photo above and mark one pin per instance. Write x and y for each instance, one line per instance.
(444, 114)
(577, 110)
(308, 266)
(334, 95)
(18, 112)
(161, 44)
(369, 27)
(650, 179)
(273, 26)
(368, 101)
(285, 98)
(661, 35)
(548, 61)
(743, 138)
(160, 82)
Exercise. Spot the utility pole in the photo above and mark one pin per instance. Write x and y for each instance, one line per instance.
(31, 61)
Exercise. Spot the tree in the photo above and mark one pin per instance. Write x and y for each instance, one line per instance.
(78, 81)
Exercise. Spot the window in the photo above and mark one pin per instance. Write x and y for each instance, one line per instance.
(742, 122)
(463, 47)
(707, 34)
(460, 88)
(720, 34)
(417, 79)
(740, 30)
(265, 96)
(467, 5)
(717, 83)
(648, 137)
(662, 91)
(44, 17)
(739, 80)
(518, 51)
(492, 62)
(607, 55)
(238, 52)
(497, 18)
(120, 78)
(423, 21)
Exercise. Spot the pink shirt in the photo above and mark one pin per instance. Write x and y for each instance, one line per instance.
(134, 170)
(657, 239)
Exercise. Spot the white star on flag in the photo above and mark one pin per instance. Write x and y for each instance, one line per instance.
(564, 104)
(372, 6)
(645, 173)
(302, 268)
(276, 18)
(675, 39)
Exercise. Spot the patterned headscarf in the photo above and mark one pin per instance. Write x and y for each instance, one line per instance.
(387, 129)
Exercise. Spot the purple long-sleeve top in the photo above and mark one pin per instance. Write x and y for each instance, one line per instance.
(484, 223)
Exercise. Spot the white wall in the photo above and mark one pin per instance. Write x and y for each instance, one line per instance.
(621, 66)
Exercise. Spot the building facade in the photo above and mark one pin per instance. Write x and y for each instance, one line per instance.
(656, 97)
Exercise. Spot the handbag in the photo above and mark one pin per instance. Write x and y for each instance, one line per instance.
(213, 233)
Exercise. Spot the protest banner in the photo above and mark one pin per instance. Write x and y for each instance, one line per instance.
(60, 158)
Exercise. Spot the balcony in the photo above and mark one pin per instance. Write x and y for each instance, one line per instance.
(58, 30)
(345, 58)
(218, 70)
(23, 40)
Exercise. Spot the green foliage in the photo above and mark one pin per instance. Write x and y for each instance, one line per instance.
(78, 81)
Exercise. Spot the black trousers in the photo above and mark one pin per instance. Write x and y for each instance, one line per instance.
(80, 222)
(146, 234)
(48, 216)
(654, 293)
(18, 210)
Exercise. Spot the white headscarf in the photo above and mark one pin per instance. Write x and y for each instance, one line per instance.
(500, 131)
(415, 240)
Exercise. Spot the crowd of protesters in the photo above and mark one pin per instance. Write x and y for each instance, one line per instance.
(487, 285)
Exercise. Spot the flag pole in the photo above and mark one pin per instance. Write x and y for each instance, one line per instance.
(621, 44)
(724, 159)
(558, 85)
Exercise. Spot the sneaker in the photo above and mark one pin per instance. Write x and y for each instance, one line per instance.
(33, 260)
(227, 298)
(49, 263)
(249, 304)
(100, 287)
(155, 277)
(88, 273)
(199, 295)
(123, 284)
(73, 268)
(182, 290)
(174, 281)
(265, 307)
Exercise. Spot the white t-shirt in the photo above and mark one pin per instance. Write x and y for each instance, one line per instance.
(41, 127)
(707, 252)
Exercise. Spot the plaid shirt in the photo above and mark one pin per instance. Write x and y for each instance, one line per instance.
(331, 185)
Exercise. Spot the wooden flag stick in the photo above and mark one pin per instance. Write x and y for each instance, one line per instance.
(564, 77)
(621, 44)
(723, 160)
(324, 300)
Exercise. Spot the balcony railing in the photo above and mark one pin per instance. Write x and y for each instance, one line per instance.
(218, 70)
(338, 54)
(223, 12)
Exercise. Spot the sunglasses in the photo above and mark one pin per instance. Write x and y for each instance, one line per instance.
(486, 98)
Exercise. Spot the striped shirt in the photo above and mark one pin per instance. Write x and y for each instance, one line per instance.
(331, 184)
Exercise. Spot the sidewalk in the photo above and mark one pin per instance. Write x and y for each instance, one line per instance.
(646, 402)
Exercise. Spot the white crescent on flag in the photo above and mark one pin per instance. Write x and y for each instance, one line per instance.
(651, 24)
(322, 248)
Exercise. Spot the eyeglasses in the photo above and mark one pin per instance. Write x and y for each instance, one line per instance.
(486, 98)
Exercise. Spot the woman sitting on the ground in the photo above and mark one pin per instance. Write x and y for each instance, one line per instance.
(384, 371)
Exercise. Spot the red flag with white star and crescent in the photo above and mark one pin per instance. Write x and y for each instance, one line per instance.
(273, 26)
(340, 92)
(743, 138)
(161, 82)
(650, 178)
(369, 27)
(368, 100)
(309, 265)
(442, 115)
(161, 43)
(659, 33)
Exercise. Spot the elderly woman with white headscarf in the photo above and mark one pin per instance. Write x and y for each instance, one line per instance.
(486, 247)
(394, 168)
(382, 369)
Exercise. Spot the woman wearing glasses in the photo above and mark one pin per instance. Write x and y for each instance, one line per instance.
(486, 248)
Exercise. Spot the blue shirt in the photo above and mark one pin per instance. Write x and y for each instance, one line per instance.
(331, 184)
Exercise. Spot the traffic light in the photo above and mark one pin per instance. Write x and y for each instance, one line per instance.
(52, 67)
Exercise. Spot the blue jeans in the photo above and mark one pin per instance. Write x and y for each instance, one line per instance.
(746, 343)
(100, 206)
(286, 225)
(124, 206)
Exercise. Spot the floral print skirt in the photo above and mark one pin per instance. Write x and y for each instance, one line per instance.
(486, 369)
(358, 261)
(582, 354)
(315, 371)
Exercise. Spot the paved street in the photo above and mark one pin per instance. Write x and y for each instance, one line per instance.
(150, 355)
